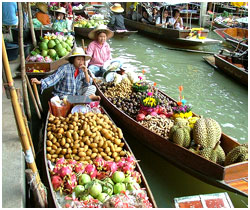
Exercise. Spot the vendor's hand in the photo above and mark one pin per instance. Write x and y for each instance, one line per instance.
(36, 81)
(84, 68)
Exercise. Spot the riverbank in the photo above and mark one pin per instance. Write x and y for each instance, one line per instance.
(13, 163)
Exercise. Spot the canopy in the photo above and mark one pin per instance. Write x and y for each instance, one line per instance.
(238, 4)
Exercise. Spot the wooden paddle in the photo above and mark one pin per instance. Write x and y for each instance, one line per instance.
(33, 97)
(37, 97)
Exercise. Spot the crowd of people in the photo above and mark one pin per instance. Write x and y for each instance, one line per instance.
(159, 17)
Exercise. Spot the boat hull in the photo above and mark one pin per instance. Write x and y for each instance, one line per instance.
(179, 156)
(173, 36)
(230, 69)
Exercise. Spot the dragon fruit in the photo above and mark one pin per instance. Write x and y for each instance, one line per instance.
(137, 176)
(90, 169)
(131, 159)
(128, 168)
(79, 168)
(101, 175)
(65, 171)
(71, 183)
(39, 58)
(56, 182)
(99, 163)
(72, 162)
(111, 166)
(61, 161)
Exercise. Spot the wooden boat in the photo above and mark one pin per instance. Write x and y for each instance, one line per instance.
(233, 177)
(215, 200)
(169, 35)
(237, 37)
(85, 31)
(237, 34)
(236, 71)
(52, 200)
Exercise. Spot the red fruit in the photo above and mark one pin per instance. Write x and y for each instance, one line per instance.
(71, 183)
(140, 117)
(79, 168)
(65, 171)
(153, 113)
(143, 112)
(99, 162)
(56, 182)
(111, 166)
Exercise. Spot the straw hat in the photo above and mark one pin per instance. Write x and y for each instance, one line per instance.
(61, 10)
(104, 28)
(117, 8)
(78, 51)
(42, 6)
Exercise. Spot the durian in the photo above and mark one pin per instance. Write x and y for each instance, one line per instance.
(182, 136)
(206, 132)
(237, 154)
(215, 154)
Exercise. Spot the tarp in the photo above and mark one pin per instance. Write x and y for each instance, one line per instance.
(238, 4)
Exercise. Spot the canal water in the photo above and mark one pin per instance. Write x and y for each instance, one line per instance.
(211, 94)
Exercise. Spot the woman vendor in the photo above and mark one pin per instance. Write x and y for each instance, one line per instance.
(117, 20)
(71, 78)
(42, 15)
(61, 23)
(99, 49)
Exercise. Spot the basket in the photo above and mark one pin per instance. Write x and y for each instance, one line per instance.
(59, 111)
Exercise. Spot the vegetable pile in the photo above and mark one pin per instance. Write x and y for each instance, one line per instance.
(84, 137)
(52, 47)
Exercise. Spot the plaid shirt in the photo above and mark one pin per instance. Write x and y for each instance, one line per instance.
(64, 81)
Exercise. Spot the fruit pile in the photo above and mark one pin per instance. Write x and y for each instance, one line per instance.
(83, 137)
(52, 47)
(95, 21)
(98, 184)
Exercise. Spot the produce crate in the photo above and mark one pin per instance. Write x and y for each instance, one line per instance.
(48, 68)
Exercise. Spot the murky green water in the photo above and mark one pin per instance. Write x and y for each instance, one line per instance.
(211, 93)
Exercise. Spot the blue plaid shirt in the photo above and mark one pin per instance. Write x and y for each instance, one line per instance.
(64, 81)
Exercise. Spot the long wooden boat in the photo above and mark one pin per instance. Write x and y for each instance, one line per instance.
(227, 66)
(52, 199)
(237, 37)
(169, 35)
(83, 32)
(233, 177)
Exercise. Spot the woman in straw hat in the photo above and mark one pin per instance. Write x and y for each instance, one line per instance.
(42, 15)
(71, 78)
(99, 49)
(117, 20)
(61, 23)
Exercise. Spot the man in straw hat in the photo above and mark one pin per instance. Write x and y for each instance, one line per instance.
(61, 23)
(99, 49)
(42, 15)
(117, 20)
(71, 78)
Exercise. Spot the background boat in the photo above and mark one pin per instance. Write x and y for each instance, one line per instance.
(169, 35)
(83, 32)
(232, 177)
